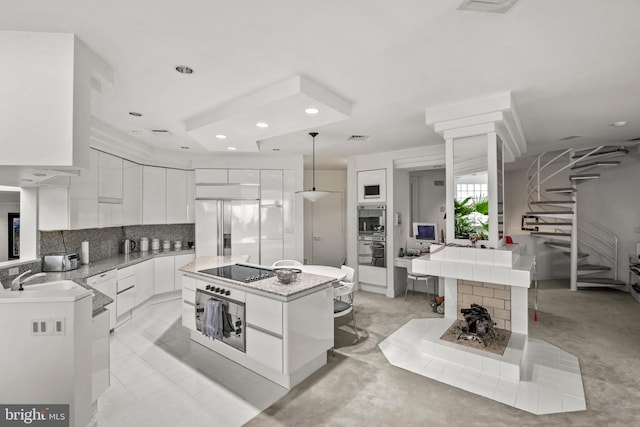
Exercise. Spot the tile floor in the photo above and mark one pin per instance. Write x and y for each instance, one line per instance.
(159, 377)
(549, 379)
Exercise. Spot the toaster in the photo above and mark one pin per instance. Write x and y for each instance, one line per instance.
(60, 262)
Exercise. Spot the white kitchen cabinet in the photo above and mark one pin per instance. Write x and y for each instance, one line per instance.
(271, 216)
(191, 197)
(109, 177)
(181, 261)
(188, 302)
(126, 291)
(154, 195)
(264, 313)
(53, 208)
(132, 193)
(372, 186)
(288, 214)
(244, 176)
(212, 176)
(265, 348)
(107, 284)
(144, 281)
(163, 274)
(100, 367)
(110, 214)
(83, 196)
(176, 196)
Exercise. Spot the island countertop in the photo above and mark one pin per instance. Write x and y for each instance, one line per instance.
(272, 285)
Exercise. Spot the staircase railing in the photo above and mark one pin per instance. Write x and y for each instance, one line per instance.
(600, 239)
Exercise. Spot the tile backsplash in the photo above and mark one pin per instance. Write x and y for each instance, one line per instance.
(103, 242)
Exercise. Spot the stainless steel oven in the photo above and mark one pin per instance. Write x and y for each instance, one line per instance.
(371, 250)
(229, 324)
(372, 219)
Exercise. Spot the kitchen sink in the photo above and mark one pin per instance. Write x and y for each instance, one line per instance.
(56, 285)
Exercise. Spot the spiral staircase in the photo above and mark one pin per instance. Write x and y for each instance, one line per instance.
(554, 215)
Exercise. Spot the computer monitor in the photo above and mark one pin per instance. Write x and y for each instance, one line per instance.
(425, 231)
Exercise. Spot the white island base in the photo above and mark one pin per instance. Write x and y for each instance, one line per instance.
(288, 329)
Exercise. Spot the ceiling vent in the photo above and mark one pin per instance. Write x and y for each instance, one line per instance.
(358, 138)
(160, 132)
(494, 6)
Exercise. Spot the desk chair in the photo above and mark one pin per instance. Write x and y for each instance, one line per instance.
(416, 277)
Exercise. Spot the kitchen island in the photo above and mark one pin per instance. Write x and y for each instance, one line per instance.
(281, 331)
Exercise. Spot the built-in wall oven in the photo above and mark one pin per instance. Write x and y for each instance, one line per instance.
(371, 250)
(229, 322)
(372, 219)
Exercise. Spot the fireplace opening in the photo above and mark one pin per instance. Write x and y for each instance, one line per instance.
(478, 330)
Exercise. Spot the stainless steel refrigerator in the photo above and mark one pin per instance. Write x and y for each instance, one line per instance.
(226, 225)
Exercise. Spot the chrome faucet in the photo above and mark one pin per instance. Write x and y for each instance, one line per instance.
(19, 281)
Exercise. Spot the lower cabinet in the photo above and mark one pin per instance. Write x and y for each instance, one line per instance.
(264, 347)
(144, 281)
(179, 262)
(163, 274)
(188, 302)
(99, 355)
(107, 283)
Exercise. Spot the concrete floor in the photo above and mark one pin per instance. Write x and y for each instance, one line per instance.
(358, 387)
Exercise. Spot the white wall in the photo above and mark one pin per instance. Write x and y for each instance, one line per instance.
(324, 220)
(430, 198)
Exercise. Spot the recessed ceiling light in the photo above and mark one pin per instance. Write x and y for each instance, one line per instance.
(135, 114)
(311, 111)
(184, 147)
(221, 136)
(262, 125)
(231, 148)
(618, 124)
(184, 69)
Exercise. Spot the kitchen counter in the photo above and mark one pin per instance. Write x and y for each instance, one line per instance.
(100, 300)
(303, 284)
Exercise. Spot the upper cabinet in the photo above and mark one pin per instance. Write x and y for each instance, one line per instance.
(154, 195)
(132, 193)
(372, 186)
(176, 196)
(212, 176)
(110, 177)
(191, 197)
(48, 86)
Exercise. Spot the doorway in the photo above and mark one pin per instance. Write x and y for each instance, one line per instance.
(13, 235)
(327, 243)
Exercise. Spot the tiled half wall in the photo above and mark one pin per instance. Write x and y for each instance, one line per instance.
(495, 298)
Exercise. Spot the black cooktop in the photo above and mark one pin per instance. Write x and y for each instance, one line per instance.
(240, 272)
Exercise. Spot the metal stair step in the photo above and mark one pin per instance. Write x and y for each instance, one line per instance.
(550, 224)
(584, 177)
(561, 190)
(604, 152)
(599, 163)
(554, 202)
(562, 244)
(555, 214)
(593, 267)
(600, 282)
(550, 234)
(580, 254)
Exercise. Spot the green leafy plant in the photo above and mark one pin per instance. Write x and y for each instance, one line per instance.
(467, 217)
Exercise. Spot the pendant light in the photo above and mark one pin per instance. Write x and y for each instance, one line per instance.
(313, 194)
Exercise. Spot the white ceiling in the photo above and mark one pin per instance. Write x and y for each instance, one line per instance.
(572, 65)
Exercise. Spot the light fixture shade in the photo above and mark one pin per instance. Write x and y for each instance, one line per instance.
(313, 195)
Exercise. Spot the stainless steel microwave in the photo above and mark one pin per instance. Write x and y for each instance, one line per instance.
(372, 191)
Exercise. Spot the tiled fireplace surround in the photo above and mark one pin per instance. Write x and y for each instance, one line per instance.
(531, 375)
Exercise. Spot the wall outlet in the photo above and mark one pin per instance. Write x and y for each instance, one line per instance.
(14, 271)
